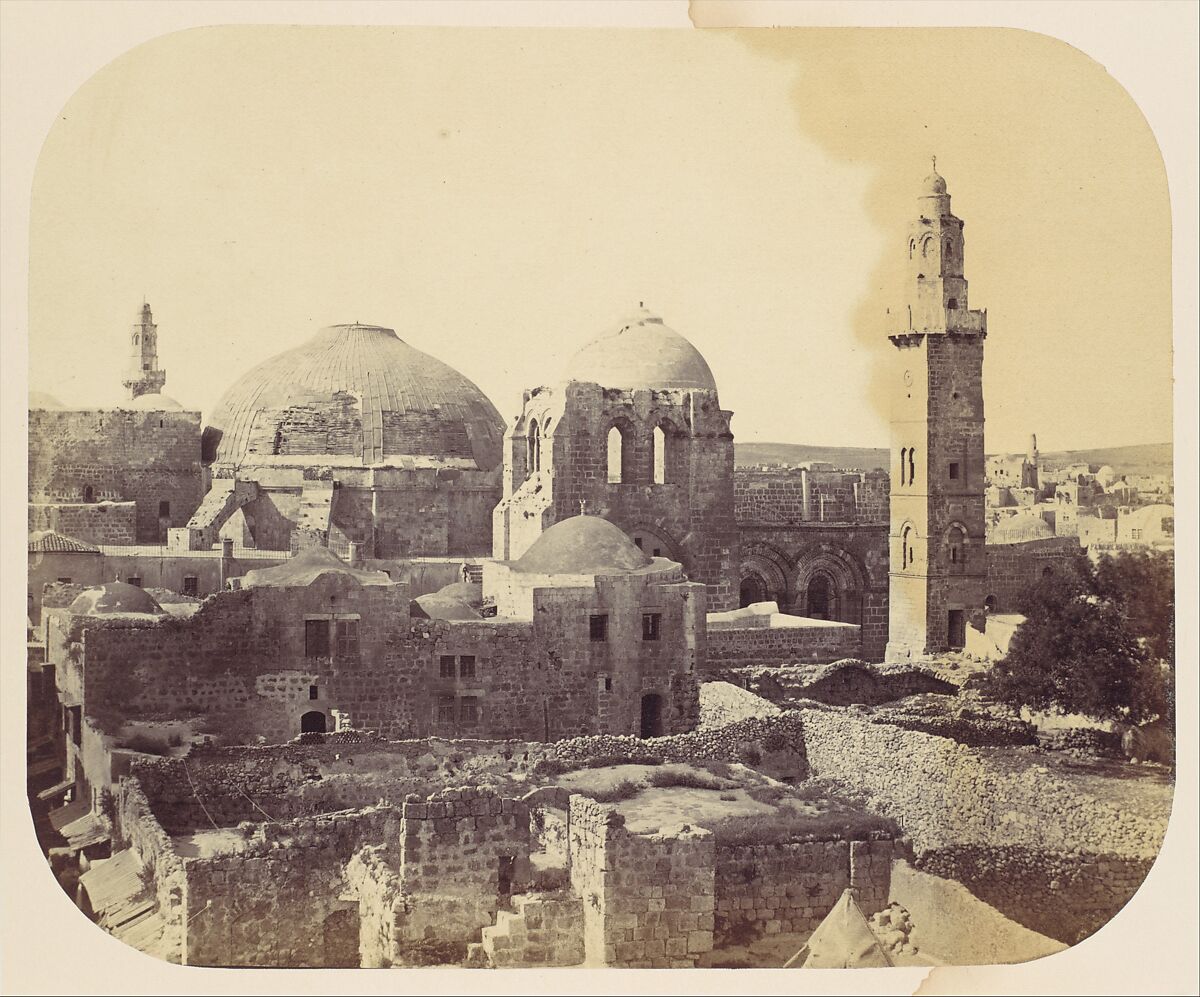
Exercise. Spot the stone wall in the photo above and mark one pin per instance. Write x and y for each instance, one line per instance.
(795, 495)
(148, 458)
(1042, 851)
(790, 888)
(540, 930)
(757, 646)
(1013, 569)
(841, 683)
(648, 899)
(93, 522)
(139, 829)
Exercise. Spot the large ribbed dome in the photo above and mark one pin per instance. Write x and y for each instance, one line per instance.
(642, 353)
(358, 393)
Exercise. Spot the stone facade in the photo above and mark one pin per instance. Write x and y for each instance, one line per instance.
(1013, 569)
(669, 483)
(937, 562)
(82, 459)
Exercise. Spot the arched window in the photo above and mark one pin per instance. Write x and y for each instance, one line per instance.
(136, 339)
(949, 248)
(535, 447)
(912, 245)
(904, 465)
(906, 553)
(658, 452)
(989, 604)
(956, 549)
(88, 494)
(616, 456)
(927, 245)
(952, 303)
(912, 465)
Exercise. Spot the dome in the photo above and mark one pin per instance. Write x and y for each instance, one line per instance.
(306, 567)
(582, 545)
(934, 185)
(642, 353)
(152, 402)
(1021, 528)
(357, 392)
(115, 598)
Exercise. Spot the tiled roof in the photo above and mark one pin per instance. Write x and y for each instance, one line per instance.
(48, 541)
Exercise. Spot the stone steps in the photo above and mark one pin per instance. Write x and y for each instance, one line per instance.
(539, 931)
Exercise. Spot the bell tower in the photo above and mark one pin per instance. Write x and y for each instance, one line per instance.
(938, 572)
(143, 375)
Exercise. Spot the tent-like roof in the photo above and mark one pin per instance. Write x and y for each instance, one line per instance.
(306, 567)
(843, 940)
(49, 542)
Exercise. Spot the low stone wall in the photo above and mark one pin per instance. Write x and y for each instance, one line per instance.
(839, 683)
(139, 829)
(1044, 852)
(648, 899)
(733, 647)
(965, 728)
(769, 889)
(1084, 741)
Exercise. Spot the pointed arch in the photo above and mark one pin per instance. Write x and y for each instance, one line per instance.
(616, 455)
(534, 442)
(658, 455)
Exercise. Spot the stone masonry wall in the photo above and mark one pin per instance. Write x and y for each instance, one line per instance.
(750, 646)
(647, 898)
(768, 889)
(1042, 851)
(93, 522)
(138, 827)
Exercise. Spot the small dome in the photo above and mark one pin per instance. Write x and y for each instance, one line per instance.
(642, 353)
(306, 567)
(152, 402)
(115, 598)
(934, 185)
(1021, 528)
(358, 392)
(582, 545)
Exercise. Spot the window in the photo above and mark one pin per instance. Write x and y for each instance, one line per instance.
(956, 539)
(1135, 534)
(953, 470)
(135, 580)
(658, 450)
(313, 692)
(637, 542)
(316, 638)
(448, 669)
(164, 509)
(535, 447)
(616, 456)
(347, 638)
(598, 628)
(952, 304)
(447, 709)
(191, 585)
(66, 581)
(88, 494)
(906, 551)
(466, 666)
(904, 465)
(912, 464)
(605, 683)
(651, 626)
(468, 711)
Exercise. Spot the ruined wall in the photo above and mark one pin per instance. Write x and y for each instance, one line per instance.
(759, 646)
(117, 455)
(841, 685)
(1045, 853)
(791, 887)
(540, 930)
(139, 829)
(648, 898)
(275, 900)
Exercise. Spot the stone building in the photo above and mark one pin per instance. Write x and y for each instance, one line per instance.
(633, 432)
(937, 563)
(352, 437)
(124, 474)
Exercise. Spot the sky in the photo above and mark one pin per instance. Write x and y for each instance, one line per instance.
(500, 197)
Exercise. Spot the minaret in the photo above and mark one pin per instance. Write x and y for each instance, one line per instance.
(1031, 472)
(144, 376)
(937, 572)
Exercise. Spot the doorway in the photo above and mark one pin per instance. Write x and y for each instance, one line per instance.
(820, 598)
(956, 629)
(652, 715)
(753, 589)
(313, 722)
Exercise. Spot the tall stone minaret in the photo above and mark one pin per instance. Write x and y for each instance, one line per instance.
(144, 376)
(937, 572)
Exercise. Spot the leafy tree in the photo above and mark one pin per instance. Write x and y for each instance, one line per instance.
(1096, 641)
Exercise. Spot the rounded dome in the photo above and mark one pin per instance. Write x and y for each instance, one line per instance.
(933, 185)
(642, 353)
(582, 545)
(152, 402)
(358, 392)
(115, 598)
(1022, 528)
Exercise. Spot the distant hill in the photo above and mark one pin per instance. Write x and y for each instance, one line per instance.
(1144, 458)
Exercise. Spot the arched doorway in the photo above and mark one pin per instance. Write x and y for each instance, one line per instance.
(753, 589)
(822, 597)
(652, 715)
(313, 722)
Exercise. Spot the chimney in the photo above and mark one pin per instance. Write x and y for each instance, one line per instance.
(226, 559)
(354, 554)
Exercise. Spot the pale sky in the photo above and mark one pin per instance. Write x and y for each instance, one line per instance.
(499, 197)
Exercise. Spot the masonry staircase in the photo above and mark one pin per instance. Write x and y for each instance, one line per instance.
(540, 930)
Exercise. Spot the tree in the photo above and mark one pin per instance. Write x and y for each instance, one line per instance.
(1091, 644)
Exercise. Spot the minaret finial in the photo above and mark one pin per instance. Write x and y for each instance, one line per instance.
(935, 164)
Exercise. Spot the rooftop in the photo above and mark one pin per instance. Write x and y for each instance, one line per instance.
(582, 545)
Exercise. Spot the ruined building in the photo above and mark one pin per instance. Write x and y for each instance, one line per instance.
(938, 565)
(633, 432)
(352, 437)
